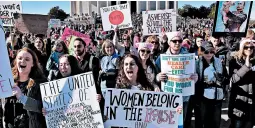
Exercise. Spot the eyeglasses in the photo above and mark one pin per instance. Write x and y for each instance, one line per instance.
(143, 51)
(207, 52)
(175, 41)
(247, 47)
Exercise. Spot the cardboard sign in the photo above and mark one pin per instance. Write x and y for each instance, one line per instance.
(182, 64)
(32, 23)
(118, 15)
(141, 109)
(7, 9)
(6, 78)
(155, 22)
(181, 84)
(71, 102)
(54, 23)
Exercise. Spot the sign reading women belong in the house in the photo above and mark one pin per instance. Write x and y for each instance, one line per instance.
(118, 15)
(6, 78)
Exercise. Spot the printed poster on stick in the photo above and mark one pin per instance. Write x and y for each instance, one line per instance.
(6, 78)
(71, 102)
(182, 64)
(155, 22)
(118, 15)
(7, 10)
(70, 35)
(181, 84)
(141, 109)
(54, 23)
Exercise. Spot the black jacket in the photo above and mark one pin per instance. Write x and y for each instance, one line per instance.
(242, 98)
(30, 114)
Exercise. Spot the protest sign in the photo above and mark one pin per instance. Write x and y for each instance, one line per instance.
(32, 23)
(181, 84)
(118, 15)
(6, 78)
(141, 109)
(232, 17)
(7, 9)
(70, 35)
(178, 64)
(71, 102)
(54, 23)
(155, 22)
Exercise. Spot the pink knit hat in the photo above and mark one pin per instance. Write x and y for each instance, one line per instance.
(144, 45)
(171, 35)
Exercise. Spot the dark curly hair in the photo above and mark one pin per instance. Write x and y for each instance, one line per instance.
(124, 83)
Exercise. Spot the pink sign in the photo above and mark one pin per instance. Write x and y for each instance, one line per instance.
(69, 32)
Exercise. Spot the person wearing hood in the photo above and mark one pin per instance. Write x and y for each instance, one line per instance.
(175, 48)
(241, 104)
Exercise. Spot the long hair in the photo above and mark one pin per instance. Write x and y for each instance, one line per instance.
(44, 46)
(65, 49)
(75, 68)
(122, 80)
(240, 54)
(36, 71)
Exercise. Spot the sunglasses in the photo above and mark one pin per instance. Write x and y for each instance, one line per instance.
(154, 42)
(143, 51)
(247, 47)
(207, 52)
(175, 41)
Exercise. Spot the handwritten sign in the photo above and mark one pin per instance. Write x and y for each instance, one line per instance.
(7, 9)
(178, 64)
(155, 22)
(71, 102)
(181, 84)
(54, 23)
(141, 109)
(32, 23)
(118, 15)
(6, 78)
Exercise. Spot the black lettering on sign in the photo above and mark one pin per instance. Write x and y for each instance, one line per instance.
(111, 112)
(155, 22)
(122, 7)
(140, 125)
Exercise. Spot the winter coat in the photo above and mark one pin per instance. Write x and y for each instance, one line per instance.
(241, 103)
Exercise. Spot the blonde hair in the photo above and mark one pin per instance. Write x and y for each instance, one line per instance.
(249, 33)
(152, 38)
(239, 54)
(104, 45)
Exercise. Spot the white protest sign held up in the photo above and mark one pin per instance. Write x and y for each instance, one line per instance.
(6, 78)
(7, 9)
(71, 102)
(181, 84)
(54, 23)
(182, 64)
(118, 15)
(157, 21)
(141, 109)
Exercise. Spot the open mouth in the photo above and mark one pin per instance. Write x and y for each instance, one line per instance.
(130, 72)
(22, 66)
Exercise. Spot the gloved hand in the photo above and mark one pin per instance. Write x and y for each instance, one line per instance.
(219, 78)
